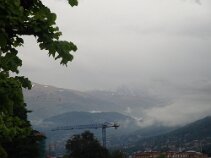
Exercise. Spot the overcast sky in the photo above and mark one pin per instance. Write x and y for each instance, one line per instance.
(161, 46)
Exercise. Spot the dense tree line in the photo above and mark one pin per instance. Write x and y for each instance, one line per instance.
(85, 145)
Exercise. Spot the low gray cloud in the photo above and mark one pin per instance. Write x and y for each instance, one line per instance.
(187, 103)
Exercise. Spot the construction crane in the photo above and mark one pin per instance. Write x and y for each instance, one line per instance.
(103, 126)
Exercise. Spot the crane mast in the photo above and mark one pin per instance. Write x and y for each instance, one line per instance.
(103, 126)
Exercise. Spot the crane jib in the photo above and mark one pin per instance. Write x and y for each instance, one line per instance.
(91, 126)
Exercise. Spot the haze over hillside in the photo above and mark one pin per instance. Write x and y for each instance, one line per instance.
(147, 108)
(194, 136)
(53, 107)
(127, 124)
(47, 101)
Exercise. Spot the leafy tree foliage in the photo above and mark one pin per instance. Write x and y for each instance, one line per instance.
(24, 147)
(117, 154)
(3, 154)
(162, 156)
(19, 18)
(85, 146)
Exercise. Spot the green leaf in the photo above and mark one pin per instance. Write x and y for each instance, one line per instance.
(10, 62)
(52, 18)
(3, 40)
(73, 2)
(25, 82)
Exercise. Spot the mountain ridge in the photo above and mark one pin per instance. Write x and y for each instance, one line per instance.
(189, 137)
(47, 101)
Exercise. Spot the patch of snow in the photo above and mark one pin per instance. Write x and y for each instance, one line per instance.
(95, 111)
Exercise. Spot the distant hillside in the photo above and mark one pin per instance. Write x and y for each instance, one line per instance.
(145, 132)
(53, 107)
(76, 117)
(196, 130)
(127, 125)
(194, 136)
(47, 101)
(126, 135)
